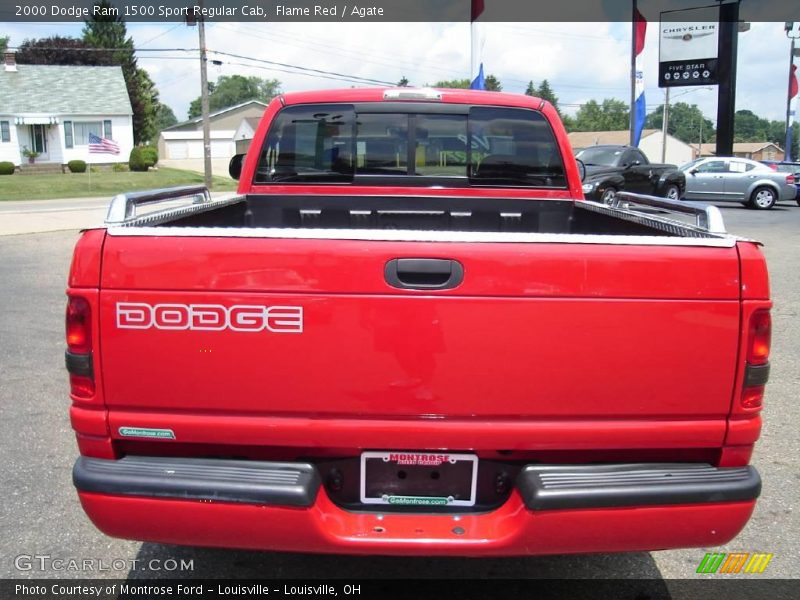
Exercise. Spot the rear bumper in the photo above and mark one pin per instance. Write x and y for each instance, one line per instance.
(282, 506)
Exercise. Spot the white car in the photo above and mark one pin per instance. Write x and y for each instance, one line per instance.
(752, 183)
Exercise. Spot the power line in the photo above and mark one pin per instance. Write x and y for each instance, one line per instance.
(291, 72)
(308, 69)
(162, 34)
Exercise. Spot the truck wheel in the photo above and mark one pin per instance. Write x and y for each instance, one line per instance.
(673, 193)
(608, 195)
(763, 198)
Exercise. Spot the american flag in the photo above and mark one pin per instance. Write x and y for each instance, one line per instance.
(98, 145)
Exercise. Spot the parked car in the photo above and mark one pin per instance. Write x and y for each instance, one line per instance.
(612, 168)
(724, 179)
(385, 347)
(787, 167)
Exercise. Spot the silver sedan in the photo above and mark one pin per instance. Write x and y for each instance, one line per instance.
(734, 179)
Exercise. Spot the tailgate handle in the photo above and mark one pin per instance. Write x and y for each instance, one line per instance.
(423, 273)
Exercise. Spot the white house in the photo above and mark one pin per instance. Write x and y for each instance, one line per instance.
(651, 143)
(52, 110)
(184, 141)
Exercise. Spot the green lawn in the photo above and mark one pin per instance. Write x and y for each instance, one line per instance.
(104, 183)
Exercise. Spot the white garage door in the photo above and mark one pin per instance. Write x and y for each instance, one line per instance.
(195, 148)
(176, 150)
(180, 149)
(222, 149)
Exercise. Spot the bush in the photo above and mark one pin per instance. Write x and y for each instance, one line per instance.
(7, 168)
(150, 155)
(120, 168)
(77, 166)
(136, 162)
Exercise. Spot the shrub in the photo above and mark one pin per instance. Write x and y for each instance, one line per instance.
(150, 155)
(6, 168)
(77, 166)
(119, 168)
(136, 162)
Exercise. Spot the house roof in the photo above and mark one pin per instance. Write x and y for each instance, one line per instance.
(215, 114)
(741, 147)
(583, 139)
(64, 90)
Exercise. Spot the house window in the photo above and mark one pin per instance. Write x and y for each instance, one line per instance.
(82, 129)
(107, 130)
(69, 139)
(5, 132)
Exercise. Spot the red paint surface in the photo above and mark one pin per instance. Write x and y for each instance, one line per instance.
(509, 530)
(543, 347)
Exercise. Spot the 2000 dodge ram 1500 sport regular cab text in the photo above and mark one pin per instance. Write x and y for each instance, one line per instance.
(410, 334)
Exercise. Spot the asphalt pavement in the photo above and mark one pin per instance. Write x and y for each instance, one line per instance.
(40, 515)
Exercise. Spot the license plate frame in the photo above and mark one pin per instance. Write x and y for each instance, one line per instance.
(447, 465)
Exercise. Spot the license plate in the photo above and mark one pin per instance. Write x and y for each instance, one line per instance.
(406, 478)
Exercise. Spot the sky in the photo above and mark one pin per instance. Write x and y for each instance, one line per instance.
(582, 61)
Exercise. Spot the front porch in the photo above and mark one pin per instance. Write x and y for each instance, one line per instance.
(40, 168)
(39, 141)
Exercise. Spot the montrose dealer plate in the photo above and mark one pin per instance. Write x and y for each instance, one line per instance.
(418, 478)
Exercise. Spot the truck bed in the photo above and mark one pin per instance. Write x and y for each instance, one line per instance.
(421, 213)
(608, 282)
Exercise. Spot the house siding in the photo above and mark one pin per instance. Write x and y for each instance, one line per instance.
(122, 134)
(10, 151)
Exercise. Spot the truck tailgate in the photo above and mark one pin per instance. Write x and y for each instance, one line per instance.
(534, 331)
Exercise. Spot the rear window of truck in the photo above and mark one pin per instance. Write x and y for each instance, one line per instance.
(340, 143)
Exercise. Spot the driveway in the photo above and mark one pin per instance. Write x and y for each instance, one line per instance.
(219, 166)
(41, 216)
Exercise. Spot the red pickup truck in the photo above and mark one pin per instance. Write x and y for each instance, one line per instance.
(410, 334)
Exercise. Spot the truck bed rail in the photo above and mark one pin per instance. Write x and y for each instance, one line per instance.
(708, 217)
(123, 210)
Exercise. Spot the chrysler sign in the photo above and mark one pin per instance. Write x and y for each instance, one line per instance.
(688, 49)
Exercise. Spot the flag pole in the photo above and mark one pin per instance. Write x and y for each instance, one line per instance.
(632, 121)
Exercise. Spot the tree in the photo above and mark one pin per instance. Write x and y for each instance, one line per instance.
(456, 84)
(749, 127)
(611, 115)
(403, 82)
(685, 122)
(165, 117)
(106, 29)
(3, 43)
(545, 92)
(492, 84)
(230, 90)
(58, 50)
(531, 89)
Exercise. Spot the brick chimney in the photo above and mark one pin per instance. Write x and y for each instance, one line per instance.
(10, 62)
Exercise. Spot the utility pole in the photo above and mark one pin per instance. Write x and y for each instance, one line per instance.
(726, 90)
(788, 146)
(700, 147)
(665, 126)
(632, 124)
(201, 30)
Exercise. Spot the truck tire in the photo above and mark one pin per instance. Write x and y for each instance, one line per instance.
(673, 192)
(763, 198)
(608, 195)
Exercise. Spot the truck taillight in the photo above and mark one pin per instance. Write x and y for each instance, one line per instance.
(79, 347)
(759, 335)
(79, 325)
